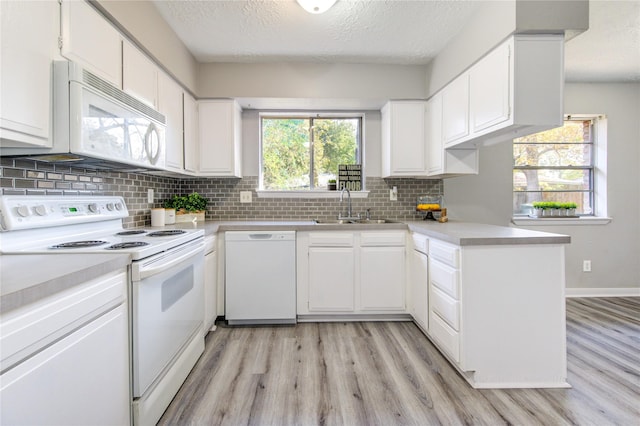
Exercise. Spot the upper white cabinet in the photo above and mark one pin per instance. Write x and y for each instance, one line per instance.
(28, 37)
(515, 90)
(170, 104)
(191, 134)
(455, 110)
(90, 40)
(139, 75)
(403, 143)
(220, 138)
(441, 162)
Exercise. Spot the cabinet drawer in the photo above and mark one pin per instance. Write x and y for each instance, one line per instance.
(373, 239)
(445, 278)
(446, 337)
(446, 307)
(331, 239)
(445, 253)
(420, 242)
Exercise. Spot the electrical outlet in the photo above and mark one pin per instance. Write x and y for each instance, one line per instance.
(393, 194)
(245, 196)
(586, 266)
(150, 195)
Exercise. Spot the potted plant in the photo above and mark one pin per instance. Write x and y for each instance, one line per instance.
(188, 207)
(332, 185)
(569, 209)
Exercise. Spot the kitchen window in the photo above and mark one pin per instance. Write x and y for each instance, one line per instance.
(563, 165)
(302, 152)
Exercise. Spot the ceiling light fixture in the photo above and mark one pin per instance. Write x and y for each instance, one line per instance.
(316, 6)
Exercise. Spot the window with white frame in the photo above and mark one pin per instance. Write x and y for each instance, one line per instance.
(564, 166)
(303, 152)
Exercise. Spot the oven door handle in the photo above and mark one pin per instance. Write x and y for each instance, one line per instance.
(167, 260)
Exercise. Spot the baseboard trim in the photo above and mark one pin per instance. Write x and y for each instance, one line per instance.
(603, 292)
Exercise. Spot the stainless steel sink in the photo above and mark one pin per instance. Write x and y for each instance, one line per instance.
(353, 222)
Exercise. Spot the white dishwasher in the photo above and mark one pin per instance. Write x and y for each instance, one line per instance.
(260, 277)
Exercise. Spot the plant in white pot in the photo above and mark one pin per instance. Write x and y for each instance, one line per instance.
(188, 207)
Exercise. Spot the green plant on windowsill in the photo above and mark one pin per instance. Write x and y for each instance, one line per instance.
(331, 185)
(191, 203)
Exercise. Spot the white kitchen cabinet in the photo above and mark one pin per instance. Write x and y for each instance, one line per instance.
(28, 41)
(515, 90)
(382, 271)
(485, 312)
(90, 40)
(220, 138)
(403, 139)
(455, 110)
(351, 273)
(419, 281)
(330, 267)
(139, 75)
(170, 104)
(210, 283)
(443, 162)
(65, 358)
(191, 134)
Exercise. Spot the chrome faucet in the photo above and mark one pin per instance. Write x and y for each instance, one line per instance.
(349, 215)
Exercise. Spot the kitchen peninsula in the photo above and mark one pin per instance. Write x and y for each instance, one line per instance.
(495, 309)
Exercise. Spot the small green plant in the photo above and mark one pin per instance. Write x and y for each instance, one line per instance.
(568, 206)
(544, 205)
(332, 181)
(190, 203)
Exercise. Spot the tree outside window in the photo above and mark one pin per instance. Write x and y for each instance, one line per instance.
(303, 153)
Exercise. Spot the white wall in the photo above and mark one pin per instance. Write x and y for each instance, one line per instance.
(311, 80)
(613, 249)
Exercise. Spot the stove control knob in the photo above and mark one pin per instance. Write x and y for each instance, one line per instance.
(110, 207)
(41, 210)
(93, 208)
(23, 211)
(118, 206)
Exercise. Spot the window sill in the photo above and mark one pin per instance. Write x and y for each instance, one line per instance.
(308, 194)
(585, 220)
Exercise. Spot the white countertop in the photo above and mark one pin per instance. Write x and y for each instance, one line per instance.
(460, 233)
(25, 278)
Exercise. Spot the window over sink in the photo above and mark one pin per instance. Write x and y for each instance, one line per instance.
(302, 151)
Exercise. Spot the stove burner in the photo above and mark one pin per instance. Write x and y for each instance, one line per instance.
(140, 231)
(130, 244)
(79, 244)
(166, 233)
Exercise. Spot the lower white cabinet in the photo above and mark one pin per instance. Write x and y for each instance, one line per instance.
(419, 281)
(331, 279)
(500, 325)
(347, 272)
(65, 359)
(210, 283)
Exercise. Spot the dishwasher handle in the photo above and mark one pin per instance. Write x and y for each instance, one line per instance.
(260, 236)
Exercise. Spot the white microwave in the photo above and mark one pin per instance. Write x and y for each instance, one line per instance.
(97, 125)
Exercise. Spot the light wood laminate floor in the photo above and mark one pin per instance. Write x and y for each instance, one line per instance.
(388, 373)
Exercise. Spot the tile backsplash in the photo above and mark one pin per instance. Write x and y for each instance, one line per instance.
(28, 177)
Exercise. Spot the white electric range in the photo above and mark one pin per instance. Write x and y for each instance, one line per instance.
(166, 286)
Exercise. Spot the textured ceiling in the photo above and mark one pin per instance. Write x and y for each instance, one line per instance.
(356, 31)
(610, 49)
(383, 31)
